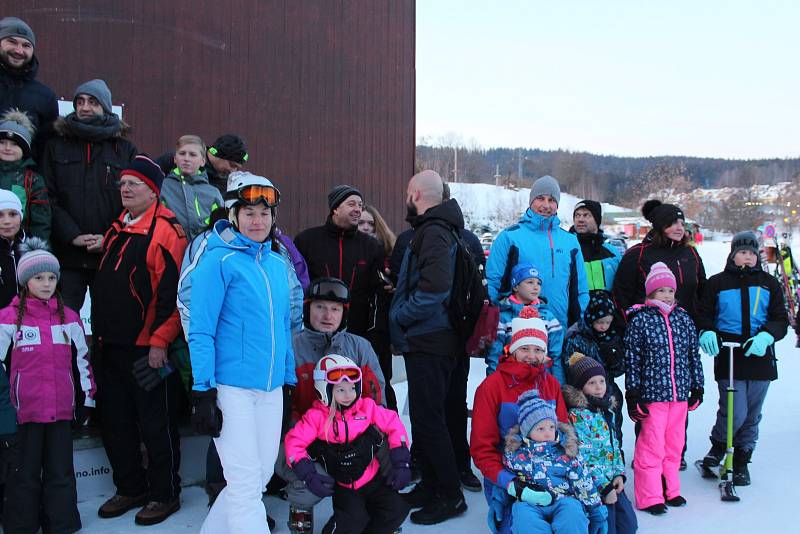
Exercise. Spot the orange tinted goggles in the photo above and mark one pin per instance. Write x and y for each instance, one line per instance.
(253, 194)
(340, 374)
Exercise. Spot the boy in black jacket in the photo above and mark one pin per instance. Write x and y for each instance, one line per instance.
(742, 287)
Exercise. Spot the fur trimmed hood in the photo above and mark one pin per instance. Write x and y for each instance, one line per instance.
(565, 436)
(575, 398)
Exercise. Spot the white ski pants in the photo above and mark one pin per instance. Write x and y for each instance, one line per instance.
(248, 446)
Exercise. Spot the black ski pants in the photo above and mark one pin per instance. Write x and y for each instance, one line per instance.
(431, 390)
(131, 416)
(44, 481)
(374, 508)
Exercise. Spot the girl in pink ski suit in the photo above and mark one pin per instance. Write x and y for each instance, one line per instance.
(343, 431)
(663, 379)
(41, 333)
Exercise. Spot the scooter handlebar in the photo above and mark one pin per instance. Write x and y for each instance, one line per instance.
(732, 344)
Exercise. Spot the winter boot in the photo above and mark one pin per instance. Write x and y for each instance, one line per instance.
(741, 475)
(301, 520)
(715, 454)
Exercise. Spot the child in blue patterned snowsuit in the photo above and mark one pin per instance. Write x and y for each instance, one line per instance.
(591, 413)
(526, 286)
(663, 378)
(546, 459)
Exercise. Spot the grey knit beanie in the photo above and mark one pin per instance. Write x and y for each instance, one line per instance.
(98, 89)
(17, 126)
(533, 409)
(546, 185)
(14, 27)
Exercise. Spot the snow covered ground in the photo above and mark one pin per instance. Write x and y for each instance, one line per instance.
(766, 506)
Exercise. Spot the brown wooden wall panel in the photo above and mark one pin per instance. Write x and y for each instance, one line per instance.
(321, 90)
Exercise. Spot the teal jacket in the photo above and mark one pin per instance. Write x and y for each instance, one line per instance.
(555, 253)
(8, 415)
(598, 445)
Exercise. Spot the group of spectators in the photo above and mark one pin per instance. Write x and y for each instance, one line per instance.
(197, 294)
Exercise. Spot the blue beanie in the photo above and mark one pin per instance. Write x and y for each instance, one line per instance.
(532, 410)
(523, 271)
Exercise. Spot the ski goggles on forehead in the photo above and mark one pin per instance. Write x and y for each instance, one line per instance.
(253, 194)
(342, 374)
(330, 290)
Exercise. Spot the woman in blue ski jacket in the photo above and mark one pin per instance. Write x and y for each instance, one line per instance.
(241, 351)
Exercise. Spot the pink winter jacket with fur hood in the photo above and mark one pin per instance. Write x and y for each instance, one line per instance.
(41, 360)
(348, 424)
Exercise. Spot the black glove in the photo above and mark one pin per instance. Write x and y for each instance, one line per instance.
(320, 484)
(695, 398)
(206, 416)
(9, 453)
(147, 377)
(637, 409)
(613, 355)
(400, 477)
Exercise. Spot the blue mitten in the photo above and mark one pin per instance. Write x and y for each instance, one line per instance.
(497, 508)
(709, 342)
(758, 344)
(598, 520)
(520, 490)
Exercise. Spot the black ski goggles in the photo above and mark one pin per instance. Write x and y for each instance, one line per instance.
(329, 289)
(253, 194)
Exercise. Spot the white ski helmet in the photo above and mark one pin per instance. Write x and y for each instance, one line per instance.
(239, 180)
(331, 370)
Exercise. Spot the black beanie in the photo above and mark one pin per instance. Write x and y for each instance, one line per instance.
(339, 193)
(594, 208)
(744, 241)
(661, 215)
(146, 170)
(600, 305)
(230, 147)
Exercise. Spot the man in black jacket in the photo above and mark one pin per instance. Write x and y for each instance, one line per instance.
(337, 249)
(81, 166)
(18, 85)
(456, 410)
(420, 327)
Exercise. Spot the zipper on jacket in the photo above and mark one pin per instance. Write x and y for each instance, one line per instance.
(16, 389)
(271, 314)
(341, 245)
(552, 252)
(680, 271)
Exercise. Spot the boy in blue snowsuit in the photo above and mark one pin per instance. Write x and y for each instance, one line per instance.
(743, 285)
(544, 455)
(526, 283)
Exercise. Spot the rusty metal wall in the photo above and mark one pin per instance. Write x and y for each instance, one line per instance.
(321, 90)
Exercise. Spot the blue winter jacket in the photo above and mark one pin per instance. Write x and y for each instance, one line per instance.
(191, 258)
(509, 309)
(555, 253)
(240, 325)
(662, 359)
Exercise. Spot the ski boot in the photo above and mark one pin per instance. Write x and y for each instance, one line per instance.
(301, 520)
(741, 475)
(715, 454)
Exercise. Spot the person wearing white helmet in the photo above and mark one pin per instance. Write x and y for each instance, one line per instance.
(344, 430)
(241, 351)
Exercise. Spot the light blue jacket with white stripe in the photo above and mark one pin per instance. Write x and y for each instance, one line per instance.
(240, 323)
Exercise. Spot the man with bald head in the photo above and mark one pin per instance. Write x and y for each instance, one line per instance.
(421, 329)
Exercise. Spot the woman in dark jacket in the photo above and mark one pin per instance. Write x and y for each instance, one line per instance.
(667, 242)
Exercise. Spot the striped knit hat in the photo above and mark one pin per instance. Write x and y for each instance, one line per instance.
(36, 258)
(528, 329)
(658, 277)
(532, 410)
(582, 369)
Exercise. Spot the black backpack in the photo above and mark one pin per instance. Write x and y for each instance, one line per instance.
(468, 292)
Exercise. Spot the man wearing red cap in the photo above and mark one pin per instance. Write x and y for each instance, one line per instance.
(134, 319)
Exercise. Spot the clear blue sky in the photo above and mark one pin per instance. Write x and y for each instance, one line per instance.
(701, 78)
